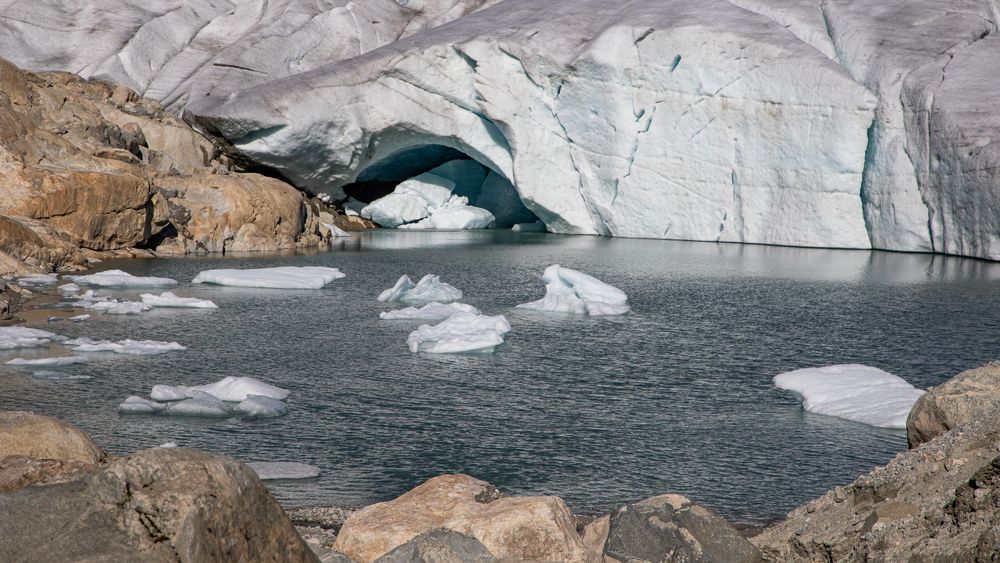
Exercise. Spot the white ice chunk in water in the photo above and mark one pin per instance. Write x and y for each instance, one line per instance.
(430, 288)
(239, 388)
(39, 279)
(138, 405)
(69, 288)
(169, 393)
(462, 332)
(79, 318)
(168, 299)
(201, 404)
(48, 375)
(57, 361)
(570, 291)
(853, 392)
(115, 307)
(13, 337)
(457, 215)
(433, 311)
(118, 278)
(127, 346)
(259, 406)
(286, 277)
(267, 470)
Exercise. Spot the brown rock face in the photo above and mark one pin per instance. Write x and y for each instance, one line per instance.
(231, 213)
(954, 403)
(531, 528)
(937, 502)
(155, 505)
(41, 437)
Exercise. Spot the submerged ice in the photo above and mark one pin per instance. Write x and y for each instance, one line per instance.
(286, 277)
(570, 291)
(269, 470)
(853, 392)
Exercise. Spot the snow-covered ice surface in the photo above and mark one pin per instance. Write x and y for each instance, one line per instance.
(570, 291)
(127, 346)
(433, 311)
(853, 392)
(119, 278)
(269, 470)
(285, 277)
(55, 362)
(12, 337)
(168, 299)
(430, 288)
(460, 333)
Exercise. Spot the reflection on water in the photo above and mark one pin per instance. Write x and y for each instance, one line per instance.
(674, 397)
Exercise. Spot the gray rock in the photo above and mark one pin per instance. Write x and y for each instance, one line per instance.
(440, 546)
(671, 528)
(954, 403)
(156, 505)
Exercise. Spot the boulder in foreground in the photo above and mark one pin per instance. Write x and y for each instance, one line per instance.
(956, 402)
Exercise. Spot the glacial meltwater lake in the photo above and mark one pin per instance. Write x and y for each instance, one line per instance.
(675, 397)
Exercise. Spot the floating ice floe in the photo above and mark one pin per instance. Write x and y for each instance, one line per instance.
(13, 337)
(853, 392)
(75, 319)
(48, 375)
(38, 279)
(570, 291)
(90, 300)
(287, 277)
(269, 470)
(168, 299)
(429, 288)
(57, 361)
(69, 288)
(433, 311)
(462, 332)
(233, 389)
(127, 346)
(119, 278)
(231, 396)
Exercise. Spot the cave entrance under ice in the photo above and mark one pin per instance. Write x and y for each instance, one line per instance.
(484, 187)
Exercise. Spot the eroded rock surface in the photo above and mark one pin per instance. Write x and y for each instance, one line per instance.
(40, 437)
(532, 528)
(955, 403)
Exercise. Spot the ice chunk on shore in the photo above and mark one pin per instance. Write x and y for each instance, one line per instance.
(57, 361)
(286, 277)
(168, 299)
(259, 406)
(429, 288)
(853, 392)
(462, 332)
(336, 232)
(119, 278)
(127, 346)
(433, 311)
(138, 405)
(13, 337)
(570, 291)
(269, 470)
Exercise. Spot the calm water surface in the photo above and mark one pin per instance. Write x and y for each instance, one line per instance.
(675, 397)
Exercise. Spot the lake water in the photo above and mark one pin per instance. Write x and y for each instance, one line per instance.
(674, 397)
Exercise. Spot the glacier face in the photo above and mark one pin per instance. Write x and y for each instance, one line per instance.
(835, 123)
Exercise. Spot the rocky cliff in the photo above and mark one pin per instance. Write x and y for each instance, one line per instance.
(87, 168)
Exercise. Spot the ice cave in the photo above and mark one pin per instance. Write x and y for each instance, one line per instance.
(438, 187)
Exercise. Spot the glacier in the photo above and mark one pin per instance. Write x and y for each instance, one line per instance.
(571, 291)
(822, 123)
(853, 392)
